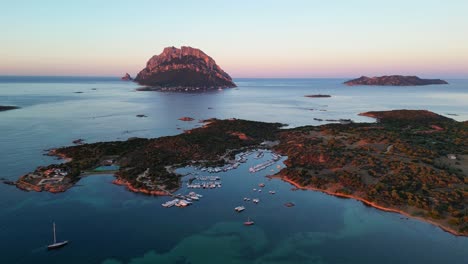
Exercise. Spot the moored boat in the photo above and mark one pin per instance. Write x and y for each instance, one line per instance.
(249, 222)
(56, 244)
(239, 209)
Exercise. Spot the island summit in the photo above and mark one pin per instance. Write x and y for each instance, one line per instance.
(184, 69)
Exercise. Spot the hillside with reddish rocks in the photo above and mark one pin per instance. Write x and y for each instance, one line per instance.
(185, 69)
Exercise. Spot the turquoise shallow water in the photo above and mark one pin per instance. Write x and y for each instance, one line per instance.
(107, 224)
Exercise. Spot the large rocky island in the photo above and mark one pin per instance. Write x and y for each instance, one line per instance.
(184, 69)
(412, 162)
(393, 80)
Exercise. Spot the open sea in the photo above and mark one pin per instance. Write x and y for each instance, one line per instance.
(107, 224)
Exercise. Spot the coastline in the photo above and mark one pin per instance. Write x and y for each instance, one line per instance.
(131, 188)
(53, 152)
(25, 186)
(369, 203)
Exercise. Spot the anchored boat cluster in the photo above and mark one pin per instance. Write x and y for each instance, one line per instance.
(220, 169)
(183, 200)
(206, 182)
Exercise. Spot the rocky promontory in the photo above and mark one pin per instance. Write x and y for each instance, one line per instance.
(184, 69)
(393, 80)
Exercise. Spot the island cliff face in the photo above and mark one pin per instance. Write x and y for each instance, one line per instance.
(183, 69)
(393, 80)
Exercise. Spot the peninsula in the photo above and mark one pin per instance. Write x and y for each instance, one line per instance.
(413, 162)
(393, 80)
(184, 69)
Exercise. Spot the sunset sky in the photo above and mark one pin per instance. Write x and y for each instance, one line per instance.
(246, 38)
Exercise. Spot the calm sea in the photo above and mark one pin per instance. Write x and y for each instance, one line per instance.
(107, 224)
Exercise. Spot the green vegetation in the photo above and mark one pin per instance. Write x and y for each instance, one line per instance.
(399, 163)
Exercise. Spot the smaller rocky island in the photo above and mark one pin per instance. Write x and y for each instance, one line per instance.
(183, 70)
(318, 95)
(7, 107)
(393, 80)
(127, 77)
(186, 118)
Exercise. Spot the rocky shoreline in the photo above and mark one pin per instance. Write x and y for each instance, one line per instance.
(134, 189)
(371, 204)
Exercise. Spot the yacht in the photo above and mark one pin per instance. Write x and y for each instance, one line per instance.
(56, 244)
(239, 209)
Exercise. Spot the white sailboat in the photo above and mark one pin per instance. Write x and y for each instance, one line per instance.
(56, 244)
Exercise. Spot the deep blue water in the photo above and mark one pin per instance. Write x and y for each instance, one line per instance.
(107, 224)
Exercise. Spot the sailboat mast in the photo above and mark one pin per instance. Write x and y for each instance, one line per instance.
(55, 239)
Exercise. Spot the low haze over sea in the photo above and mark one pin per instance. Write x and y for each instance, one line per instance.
(107, 224)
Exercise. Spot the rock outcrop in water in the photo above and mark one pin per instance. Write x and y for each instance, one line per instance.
(393, 80)
(184, 69)
(127, 77)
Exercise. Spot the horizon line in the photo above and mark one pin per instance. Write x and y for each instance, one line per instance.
(331, 77)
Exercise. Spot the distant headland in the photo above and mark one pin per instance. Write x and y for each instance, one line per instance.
(7, 107)
(184, 69)
(318, 96)
(393, 80)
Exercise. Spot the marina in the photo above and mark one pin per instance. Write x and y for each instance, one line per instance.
(262, 166)
(206, 183)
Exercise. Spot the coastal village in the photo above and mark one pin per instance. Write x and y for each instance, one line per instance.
(45, 179)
